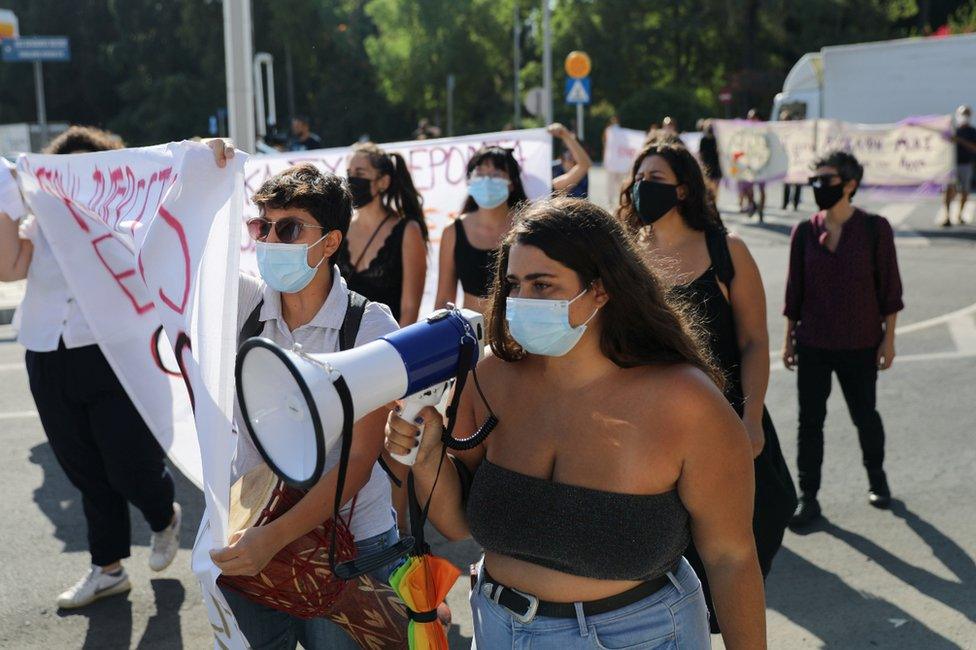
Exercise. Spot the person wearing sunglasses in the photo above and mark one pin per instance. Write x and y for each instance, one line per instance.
(612, 448)
(843, 295)
(302, 298)
(468, 245)
(384, 257)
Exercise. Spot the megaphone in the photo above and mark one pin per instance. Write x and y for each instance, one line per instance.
(296, 405)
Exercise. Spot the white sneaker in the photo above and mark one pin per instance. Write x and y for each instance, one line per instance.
(92, 586)
(165, 543)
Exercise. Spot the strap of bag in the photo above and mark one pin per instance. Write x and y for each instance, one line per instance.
(349, 330)
(874, 234)
(718, 249)
(252, 325)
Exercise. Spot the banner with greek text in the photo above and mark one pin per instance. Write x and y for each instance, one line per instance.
(914, 153)
(439, 171)
(147, 240)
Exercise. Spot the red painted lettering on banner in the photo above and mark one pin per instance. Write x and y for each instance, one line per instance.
(177, 227)
(103, 246)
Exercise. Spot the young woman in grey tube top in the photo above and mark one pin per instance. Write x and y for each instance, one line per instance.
(613, 446)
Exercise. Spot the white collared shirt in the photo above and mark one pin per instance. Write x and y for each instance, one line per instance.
(49, 311)
(373, 505)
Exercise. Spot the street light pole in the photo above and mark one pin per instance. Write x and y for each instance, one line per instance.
(41, 105)
(517, 65)
(547, 61)
(238, 56)
(450, 104)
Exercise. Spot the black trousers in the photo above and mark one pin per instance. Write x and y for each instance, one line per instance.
(857, 373)
(791, 192)
(103, 445)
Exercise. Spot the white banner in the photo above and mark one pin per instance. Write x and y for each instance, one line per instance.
(909, 154)
(623, 145)
(439, 170)
(147, 239)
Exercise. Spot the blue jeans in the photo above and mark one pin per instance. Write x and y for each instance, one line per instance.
(672, 618)
(269, 629)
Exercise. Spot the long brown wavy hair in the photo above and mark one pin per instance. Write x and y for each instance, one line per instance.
(639, 326)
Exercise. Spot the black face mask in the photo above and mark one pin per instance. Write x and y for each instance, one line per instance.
(653, 200)
(362, 193)
(827, 196)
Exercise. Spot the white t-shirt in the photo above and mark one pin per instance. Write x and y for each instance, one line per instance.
(49, 311)
(374, 510)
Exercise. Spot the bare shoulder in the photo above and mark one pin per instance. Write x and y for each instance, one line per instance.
(681, 394)
(737, 245)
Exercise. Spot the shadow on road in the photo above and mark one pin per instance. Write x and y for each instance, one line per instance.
(110, 620)
(957, 594)
(839, 615)
(60, 502)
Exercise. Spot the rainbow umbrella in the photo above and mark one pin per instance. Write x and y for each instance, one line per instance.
(422, 582)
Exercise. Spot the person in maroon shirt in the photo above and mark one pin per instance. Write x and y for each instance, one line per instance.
(843, 294)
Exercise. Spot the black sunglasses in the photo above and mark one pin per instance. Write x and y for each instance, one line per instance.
(287, 230)
(823, 180)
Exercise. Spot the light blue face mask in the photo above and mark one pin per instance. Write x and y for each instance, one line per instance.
(488, 192)
(284, 267)
(542, 326)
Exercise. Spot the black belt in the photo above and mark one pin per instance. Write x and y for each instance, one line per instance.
(526, 607)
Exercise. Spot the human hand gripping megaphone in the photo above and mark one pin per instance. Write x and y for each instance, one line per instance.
(296, 405)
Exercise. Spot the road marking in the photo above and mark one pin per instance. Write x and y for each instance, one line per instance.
(937, 320)
(908, 358)
(11, 366)
(963, 333)
(17, 415)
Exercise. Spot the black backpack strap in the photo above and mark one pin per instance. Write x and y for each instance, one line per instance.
(353, 319)
(718, 250)
(874, 235)
(252, 325)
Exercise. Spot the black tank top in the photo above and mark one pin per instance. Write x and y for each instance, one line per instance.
(382, 280)
(576, 530)
(714, 313)
(474, 266)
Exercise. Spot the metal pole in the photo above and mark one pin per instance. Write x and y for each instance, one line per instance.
(517, 65)
(290, 81)
(450, 104)
(579, 122)
(41, 108)
(238, 57)
(547, 61)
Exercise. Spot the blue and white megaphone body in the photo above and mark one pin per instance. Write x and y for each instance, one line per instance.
(296, 404)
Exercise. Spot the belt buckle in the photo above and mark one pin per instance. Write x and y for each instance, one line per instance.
(493, 592)
(526, 618)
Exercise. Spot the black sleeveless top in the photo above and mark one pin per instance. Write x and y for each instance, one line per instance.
(474, 266)
(382, 280)
(714, 312)
(576, 530)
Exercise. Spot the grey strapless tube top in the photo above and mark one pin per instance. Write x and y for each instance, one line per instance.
(576, 530)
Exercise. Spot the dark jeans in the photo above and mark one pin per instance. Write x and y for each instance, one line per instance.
(857, 373)
(791, 192)
(103, 445)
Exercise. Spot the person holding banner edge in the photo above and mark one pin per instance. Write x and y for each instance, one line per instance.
(97, 434)
(584, 504)
(302, 298)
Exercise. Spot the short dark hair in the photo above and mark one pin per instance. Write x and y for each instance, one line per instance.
(301, 117)
(847, 166)
(323, 195)
(84, 139)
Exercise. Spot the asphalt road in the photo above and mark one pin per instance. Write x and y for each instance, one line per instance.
(902, 579)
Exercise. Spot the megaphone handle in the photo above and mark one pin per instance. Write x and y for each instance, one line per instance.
(411, 408)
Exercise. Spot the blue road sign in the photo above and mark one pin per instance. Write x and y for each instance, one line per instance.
(36, 48)
(578, 91)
